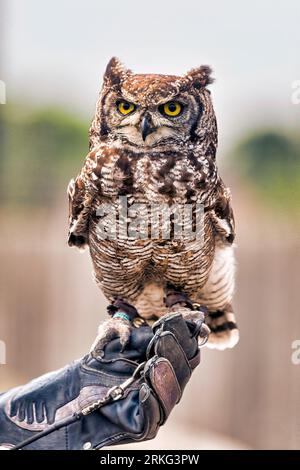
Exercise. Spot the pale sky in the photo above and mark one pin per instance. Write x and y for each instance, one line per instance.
(56, 51)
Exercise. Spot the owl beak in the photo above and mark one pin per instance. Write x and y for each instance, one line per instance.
(146, 127)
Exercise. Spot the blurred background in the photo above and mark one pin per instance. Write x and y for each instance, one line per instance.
(53, 55)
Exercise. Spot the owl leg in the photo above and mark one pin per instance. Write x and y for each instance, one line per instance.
(118, 326)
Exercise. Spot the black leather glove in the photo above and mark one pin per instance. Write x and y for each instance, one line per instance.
(106, 397)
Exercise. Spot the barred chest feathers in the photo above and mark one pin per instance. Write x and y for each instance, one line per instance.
(178, 177)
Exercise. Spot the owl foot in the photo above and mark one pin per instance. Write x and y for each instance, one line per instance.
(224, 330)
(109, 330)
(119, 326)
(196, 316)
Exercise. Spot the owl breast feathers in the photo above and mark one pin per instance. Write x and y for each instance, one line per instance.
(153, 145)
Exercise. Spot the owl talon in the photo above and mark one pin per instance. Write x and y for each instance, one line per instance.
(109, 330)
(204, 331)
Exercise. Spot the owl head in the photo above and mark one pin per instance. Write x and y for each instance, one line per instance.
(151, 111)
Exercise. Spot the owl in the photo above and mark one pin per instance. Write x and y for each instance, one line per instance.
(153, 143)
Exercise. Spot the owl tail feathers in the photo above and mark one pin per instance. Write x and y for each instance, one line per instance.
(224, 331)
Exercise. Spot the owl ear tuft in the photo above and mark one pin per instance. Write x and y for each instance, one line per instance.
(115, 72)
(200, 77)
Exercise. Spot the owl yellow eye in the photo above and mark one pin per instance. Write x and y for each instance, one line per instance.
(172, 108)
(125, 108)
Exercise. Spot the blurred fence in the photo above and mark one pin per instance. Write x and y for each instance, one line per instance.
(50, 308)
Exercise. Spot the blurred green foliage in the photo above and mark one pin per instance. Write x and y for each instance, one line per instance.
(40, 151)
(270, 161)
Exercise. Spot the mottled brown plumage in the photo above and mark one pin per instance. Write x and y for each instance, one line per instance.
(174, 164)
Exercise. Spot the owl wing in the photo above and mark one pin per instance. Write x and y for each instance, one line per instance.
(222, 215)
(81, 193)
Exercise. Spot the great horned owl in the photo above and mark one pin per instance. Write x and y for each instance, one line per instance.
(153, 139)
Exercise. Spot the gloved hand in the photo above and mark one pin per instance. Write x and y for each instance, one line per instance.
(134, 390)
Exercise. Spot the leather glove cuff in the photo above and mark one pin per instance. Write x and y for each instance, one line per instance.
(122, 397)
(174, 354)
